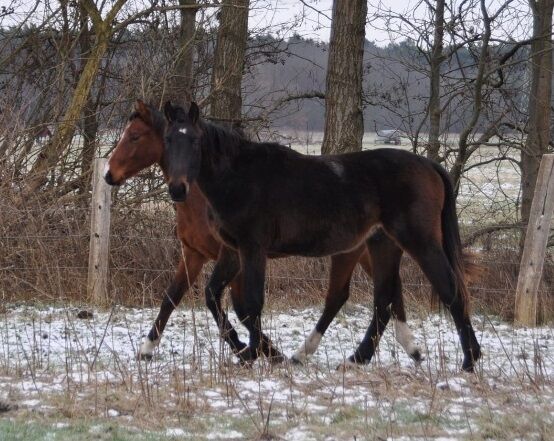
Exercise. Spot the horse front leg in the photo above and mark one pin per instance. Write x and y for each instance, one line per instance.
(225, 270)
(268, 347)
(253, 262)
(190, 265)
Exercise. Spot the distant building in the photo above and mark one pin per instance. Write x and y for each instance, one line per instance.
(43, 135)
(389, 136)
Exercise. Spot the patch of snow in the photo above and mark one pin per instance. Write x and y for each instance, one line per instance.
(230, 434)
(175, 431)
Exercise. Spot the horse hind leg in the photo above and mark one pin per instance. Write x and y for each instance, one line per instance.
(385, 261)
(188, 269)
(436, 267)
(431, 257)
(342, 266)
(403, 332)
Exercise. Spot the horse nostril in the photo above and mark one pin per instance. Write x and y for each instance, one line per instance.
(109, 178)
(178, 192)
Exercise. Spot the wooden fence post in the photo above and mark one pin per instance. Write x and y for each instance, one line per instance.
(534, 249)
(97, 282)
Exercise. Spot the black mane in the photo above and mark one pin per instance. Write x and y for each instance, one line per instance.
(223, 139)
(226, 140)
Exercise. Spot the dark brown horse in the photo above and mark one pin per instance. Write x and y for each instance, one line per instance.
(142, 145)
(266, 199)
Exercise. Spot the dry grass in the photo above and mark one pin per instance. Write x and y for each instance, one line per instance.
(45, 255)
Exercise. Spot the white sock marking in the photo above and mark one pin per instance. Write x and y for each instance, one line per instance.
(404, 337)
(308, 347)
(147, 347)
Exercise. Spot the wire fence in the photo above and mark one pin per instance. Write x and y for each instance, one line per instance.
(45, 257)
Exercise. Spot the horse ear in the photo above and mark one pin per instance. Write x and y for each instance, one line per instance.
(169, 111)
(194, 112)
(143, 110)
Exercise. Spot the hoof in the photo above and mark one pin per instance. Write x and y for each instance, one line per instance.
(144, 357)
(417, 356)
(468, 365)
(296, 361)
(276, 359)
(351, 363)
(470, 359)
(247, 356)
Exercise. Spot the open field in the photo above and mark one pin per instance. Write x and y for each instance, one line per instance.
(63, 378)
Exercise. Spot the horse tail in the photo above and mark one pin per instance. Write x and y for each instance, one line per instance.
(452, 244)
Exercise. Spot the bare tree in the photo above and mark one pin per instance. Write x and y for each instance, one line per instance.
(102, 28)
(181, 83)
(435, 61)
(228, 65)
(540, 94)
(344, 125)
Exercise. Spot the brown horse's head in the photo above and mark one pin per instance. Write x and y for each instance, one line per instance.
(140, 146)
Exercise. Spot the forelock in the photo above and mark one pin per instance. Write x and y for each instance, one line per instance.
(158, 120)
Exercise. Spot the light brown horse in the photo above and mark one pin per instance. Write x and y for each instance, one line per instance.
(140, 146)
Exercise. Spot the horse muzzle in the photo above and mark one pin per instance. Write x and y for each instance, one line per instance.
(178, 191)
(108, 177)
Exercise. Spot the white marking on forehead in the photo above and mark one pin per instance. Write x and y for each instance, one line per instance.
(183, 131)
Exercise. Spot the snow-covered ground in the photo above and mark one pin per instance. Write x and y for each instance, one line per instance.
(50, 362)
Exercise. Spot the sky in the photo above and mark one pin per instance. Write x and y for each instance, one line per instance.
(311, 18)
(313, 24)
(275, 15)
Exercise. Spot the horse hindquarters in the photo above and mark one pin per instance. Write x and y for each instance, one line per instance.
(430, 234)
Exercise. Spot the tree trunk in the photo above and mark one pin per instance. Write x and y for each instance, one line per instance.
(344, 124)
(230, 50)
(90, 121)
(181, 84)
(433, 150)
(540, 94)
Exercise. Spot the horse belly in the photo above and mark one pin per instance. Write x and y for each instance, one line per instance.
(324, 241)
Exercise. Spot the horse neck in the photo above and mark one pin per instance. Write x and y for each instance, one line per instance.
(219, 148)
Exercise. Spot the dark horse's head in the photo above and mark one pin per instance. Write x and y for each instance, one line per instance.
(140, 145)
(182, 148)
